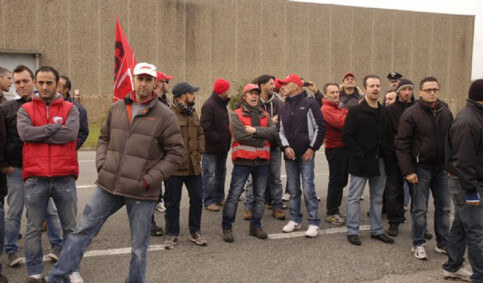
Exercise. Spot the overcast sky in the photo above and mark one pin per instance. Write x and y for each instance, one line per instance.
(460, 7)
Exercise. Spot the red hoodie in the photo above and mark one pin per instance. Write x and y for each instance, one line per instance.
(334, 117)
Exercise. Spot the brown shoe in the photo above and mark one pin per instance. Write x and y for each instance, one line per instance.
(213, 207)
(278, 214)
(247, 215)
(44, 226)
(220, 203)
(228, 235)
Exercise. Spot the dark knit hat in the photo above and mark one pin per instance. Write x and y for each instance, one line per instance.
(476, 90)
(404, 82)
(220, 86)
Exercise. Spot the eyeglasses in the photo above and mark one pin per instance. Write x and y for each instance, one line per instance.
(431, 90)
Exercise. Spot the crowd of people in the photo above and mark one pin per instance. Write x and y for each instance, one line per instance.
(406, 146)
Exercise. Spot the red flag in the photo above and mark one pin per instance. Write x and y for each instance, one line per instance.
(124, 62)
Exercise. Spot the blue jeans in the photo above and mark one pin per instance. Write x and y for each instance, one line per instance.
(38, 191)
(15, 201)
(274, 183)
(101, 205)
(238, 178)
(214, 173)
(376, 190)
(172, 199)
(437, 182)
(305, 169)
(467, 230)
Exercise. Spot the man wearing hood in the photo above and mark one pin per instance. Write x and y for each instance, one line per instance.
(395, 180)
(252, 131)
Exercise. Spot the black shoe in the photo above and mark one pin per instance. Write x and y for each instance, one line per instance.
(383, 238)
(393, 230)
(156, 231)
(428, 236)
(354, 239)
(228, 235)
(258, 232)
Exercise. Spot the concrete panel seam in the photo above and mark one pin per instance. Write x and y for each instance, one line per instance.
(431, 46)
(450, 51)
(351, 53)
(372, 42)
(236, 40)
(99, 48)
(184, 40)
(68, 39)
(393, 40)
(330, 43)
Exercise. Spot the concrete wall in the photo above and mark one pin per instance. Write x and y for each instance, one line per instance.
(200, 40)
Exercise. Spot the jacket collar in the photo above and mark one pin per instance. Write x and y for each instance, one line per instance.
(296, 98)
(426, 107)
(150, 103)
(221, 100)
(58, 99)
(365, 106)
(330, 103)
(475, 105)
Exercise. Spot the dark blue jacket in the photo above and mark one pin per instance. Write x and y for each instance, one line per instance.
(83, 122)
(301, 124)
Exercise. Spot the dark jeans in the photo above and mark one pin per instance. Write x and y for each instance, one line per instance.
(239, 177)
(2, 228)
(437, 182)
(394, 193)
(338, 159)
(214, 172)
(467, 230)
(172, 199)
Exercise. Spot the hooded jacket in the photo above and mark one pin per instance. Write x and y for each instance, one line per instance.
(464, 147)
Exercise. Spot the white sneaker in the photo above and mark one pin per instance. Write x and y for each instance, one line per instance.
(440, 250)
(286, 197)
(160, 207)
(75, 277)
(419, 252)
(462, 274)
(312, 232)
(291, 226)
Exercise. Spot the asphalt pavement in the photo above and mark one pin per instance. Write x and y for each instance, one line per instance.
(281, 258)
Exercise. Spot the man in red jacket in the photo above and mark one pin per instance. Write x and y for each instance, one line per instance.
(48, 126)
(335, 152)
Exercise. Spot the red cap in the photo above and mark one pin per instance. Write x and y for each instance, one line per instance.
(250, 87)
(347, 75)
(162, 76)
(292, 78)
(220, 86)
(277, 84)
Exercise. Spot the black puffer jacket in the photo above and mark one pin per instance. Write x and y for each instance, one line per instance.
(216, 125)
(464, 147)
(83, 122)
(421, 137)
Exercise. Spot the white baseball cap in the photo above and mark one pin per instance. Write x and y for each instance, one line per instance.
(145, 69)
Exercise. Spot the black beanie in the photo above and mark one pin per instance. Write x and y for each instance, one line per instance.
(476, 90)
(403, 83)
